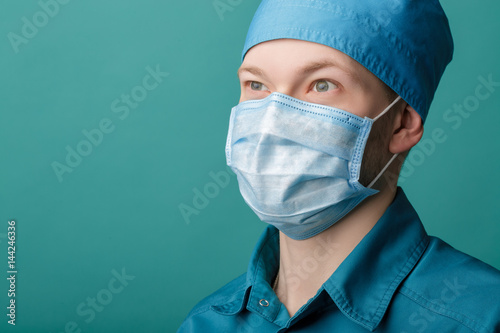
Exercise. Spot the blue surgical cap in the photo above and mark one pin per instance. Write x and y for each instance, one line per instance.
(406, 43)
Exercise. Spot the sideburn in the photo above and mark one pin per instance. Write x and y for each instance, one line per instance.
(377, 154)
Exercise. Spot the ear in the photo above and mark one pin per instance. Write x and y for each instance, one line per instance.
(407, 131)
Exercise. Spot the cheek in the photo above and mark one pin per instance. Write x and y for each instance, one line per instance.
(244, 96)
(366, 107)
(249, 94)
(325, 98)
(374, 104)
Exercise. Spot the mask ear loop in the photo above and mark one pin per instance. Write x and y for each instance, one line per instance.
(383, 170)
(387, 109)
(395, 155)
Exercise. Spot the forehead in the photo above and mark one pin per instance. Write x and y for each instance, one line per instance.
(298, 56)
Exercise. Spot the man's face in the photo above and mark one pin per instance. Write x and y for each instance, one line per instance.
(313, 73)
(319, 74)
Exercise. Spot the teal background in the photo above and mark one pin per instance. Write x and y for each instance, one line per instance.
(120, 207)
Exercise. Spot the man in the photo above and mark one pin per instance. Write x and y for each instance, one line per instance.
(332, 91)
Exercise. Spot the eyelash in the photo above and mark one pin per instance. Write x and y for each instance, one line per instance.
(251, 82)
(313, 85)
(336, 86)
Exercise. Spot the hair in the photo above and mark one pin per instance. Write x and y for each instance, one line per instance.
(377, 154)
(389, 93)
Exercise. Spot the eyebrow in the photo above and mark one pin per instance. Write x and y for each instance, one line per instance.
(250, 69)
(314, 66)
(307, 69)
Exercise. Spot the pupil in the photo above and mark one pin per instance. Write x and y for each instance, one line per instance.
(255, 86)
(322, 86)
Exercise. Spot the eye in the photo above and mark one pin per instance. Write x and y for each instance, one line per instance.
(258, 86)
(323, 86)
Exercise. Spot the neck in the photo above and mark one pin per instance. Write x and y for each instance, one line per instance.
(306, 264)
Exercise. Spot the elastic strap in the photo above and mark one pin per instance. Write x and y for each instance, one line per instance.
(395, 155)
(383, 170)
(387, 109)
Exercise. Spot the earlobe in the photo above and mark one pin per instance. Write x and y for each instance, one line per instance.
(407, 131)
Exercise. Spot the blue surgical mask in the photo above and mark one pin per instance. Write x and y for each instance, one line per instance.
(298, 163)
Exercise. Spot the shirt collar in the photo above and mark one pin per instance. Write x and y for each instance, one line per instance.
(364, 284)
(261, 271)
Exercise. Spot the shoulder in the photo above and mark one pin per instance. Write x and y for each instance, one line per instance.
(230, 294)
(455, 285)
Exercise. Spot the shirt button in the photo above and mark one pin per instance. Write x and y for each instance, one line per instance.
(264, 302)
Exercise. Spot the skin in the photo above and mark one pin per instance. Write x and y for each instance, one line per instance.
(319, 74)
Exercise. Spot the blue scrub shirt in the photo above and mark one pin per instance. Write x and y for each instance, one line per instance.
(398, 279)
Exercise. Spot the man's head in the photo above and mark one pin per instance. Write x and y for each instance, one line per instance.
(319, 74)
(353, 55)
